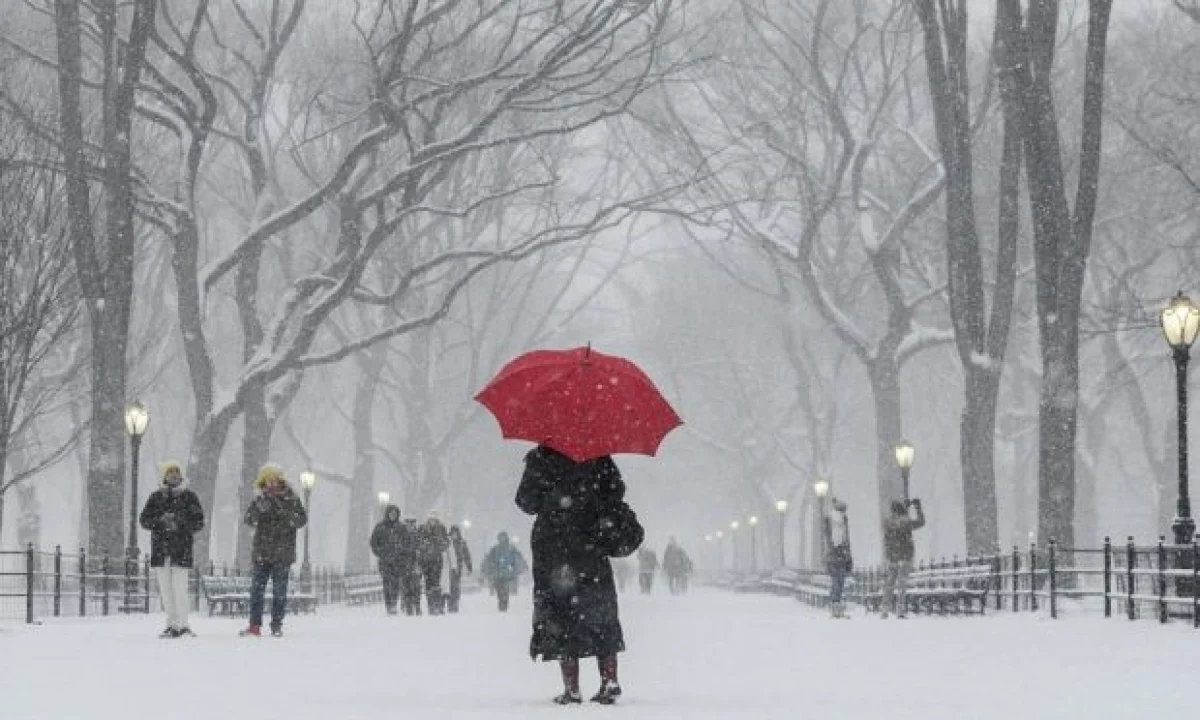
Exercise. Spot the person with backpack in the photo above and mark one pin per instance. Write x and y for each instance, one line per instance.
(434, 541)
(581, 521)
(675, 564)
(410, 570)
(173, 516)
(899, 551)
(502, 565)
(647, 566)
(838, 560)
(458, 560)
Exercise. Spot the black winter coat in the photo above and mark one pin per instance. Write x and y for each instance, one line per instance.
(582, 521)
(433, 542)
(275, 519)
(173, 518)
(394, 544)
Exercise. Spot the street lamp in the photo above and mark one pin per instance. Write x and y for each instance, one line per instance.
(781, 506)
(753, 521)
(821, 490)
(308, 480)
(905, 454)
(1180, 323)
(384, 498)
(720, 551)
(137, 418)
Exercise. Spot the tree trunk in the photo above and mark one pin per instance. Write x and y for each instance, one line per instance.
(977, 452)
(106, 448)
(884, 374)
(362, 486)
(203, 466)
(256, 451)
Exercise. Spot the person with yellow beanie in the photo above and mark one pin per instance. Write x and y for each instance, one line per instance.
(276, 513)
(173, 516)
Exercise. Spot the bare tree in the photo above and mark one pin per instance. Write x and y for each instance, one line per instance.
(981, 333)
(1062, 233)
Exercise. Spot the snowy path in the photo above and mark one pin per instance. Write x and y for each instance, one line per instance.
(708, 655)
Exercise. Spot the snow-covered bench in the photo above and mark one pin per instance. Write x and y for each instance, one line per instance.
(230, 595)
(782, 582)
(942, 589)
(363, 589)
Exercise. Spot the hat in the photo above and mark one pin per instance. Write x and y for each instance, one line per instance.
(169, 466)
(839, 505)
(268, 474)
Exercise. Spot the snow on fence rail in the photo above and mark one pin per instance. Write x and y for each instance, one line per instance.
(1160, 581)
(38, 584)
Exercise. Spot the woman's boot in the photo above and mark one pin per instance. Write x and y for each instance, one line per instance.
(570, 676)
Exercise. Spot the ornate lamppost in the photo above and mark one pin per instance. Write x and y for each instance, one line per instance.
(733, 540)
(753, 522)
(137, 419)
(308, 480)
(1180, 323)
(821, 490)
(905, 455)
(781, 507)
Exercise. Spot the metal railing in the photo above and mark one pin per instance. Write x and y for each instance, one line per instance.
(1160, 581)
(36, 584)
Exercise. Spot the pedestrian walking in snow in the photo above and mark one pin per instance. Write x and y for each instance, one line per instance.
(458, 560)
(173, 516)
(675, 564)
(410, 579)
(431, 553)
(623, 567)
(898, 548)
(582, 521)
(647, 566)
(393, 546)
(501, 568)
(276, 513)
(838, 560)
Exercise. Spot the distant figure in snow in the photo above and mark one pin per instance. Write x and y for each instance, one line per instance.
(501, 568)
(410, 579)
(458, 560)
(898, 548)
(431, 553)
(173, 516)
(582, 521)
(647, 566)
(395, 548)
(838, 560)
(623, 569)
(675, 567)
(275, 514)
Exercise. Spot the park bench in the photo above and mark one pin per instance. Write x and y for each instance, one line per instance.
(230, 595)
(363, 589)
(782, 582)
(752, 583)
(943, 589)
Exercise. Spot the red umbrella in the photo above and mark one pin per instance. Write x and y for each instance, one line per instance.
(582, 403)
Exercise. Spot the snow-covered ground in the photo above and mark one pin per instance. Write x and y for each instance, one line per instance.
(708, 655)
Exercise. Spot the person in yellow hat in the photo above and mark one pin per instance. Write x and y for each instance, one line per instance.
(275, 514)
(173, 516)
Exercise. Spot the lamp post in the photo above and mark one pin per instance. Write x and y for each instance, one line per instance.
(308, 480)
(733, 540)
(1180, 323)
(905, 454)
(821, 490)
(720, 552)
(781, 507)
(137, 418)
(753, 522)
(384, 498)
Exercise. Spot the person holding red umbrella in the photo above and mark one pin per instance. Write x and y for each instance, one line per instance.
(582, 521)
(581, 407)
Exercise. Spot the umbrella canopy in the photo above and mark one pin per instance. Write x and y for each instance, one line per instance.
(582, 403)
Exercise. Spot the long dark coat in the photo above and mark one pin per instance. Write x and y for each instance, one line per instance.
(275, 519)
(582, 521)
(172, 540)
(394, 544)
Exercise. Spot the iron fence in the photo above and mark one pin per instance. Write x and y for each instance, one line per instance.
(37, 584)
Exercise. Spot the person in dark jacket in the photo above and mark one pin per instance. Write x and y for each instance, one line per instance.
(838, 560)
(458, 559)
(501, 567)
(582, 521)
(410, 578)
(431, 552)
(392, 545)
(898, 549)
(647, 566)
(276, 513)
(675, 566)
(173, 516)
